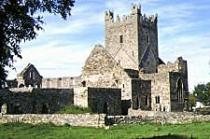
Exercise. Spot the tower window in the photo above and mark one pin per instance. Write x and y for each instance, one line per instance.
(121, 38)
(157, 99)
(83, 83)
(132, 53)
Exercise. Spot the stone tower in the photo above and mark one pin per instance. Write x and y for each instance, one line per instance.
(133, 40)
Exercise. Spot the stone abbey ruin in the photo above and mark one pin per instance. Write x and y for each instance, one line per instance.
(124, 75)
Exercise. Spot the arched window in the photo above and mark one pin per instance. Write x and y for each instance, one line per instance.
(21, 85)
(83, 83)
(180, 96)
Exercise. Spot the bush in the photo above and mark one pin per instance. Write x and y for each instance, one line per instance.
(70, 109)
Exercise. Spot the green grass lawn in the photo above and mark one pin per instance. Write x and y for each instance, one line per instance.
(132, 131)
(73, 110)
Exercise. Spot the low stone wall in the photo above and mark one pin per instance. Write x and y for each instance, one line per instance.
(158, 117)
(87, 120)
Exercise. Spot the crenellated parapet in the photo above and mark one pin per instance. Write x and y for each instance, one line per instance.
(149, 21)
(180, 65)
(135, 15)
(109, 16)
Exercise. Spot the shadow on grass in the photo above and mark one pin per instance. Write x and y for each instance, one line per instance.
(169, 137)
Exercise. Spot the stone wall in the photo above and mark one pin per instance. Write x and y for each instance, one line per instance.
(141, 94)
(148, 43)
(136, 93)
(136, 116)
(33, 100)
(105, 100)
(179, 66)
(62, 82)
(102, 71)
(81, 96)
(87, 120)
(161, 92)
(29, 77)
(145, 97)
(177, 92)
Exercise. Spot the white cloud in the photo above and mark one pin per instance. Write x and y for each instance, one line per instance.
(52, 60)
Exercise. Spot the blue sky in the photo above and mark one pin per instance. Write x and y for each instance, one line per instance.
(62, 48)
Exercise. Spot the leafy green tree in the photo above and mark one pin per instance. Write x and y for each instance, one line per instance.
(202, 93)
(19, 22)
(191, 101)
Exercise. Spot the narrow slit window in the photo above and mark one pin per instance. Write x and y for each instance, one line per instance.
(146, 100)
(121, 38)
(157, 99)
(31, 75)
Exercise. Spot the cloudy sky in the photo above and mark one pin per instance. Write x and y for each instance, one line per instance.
(62, 48)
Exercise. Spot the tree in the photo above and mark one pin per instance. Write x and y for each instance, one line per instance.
(19, 21)
(191, 101)
(202, 93)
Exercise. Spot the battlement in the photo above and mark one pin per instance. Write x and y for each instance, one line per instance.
(149, 20)
(180, 65)
(110, 18)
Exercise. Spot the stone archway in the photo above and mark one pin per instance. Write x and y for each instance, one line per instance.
(21, 85)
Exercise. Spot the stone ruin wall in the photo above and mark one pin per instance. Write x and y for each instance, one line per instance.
(164, 84)
(161, 87)
(136, 116)
(130, 38)
(102, 71)
(101, 120)
(110, 80)
(62, 82)
(105, 100)
(29, 77)
(24, 100)
(126, 52)
(176, 104)
(86, 120)
(145, 97)
(48, 101)
(100, 100)
(148, 43)
(81, 96)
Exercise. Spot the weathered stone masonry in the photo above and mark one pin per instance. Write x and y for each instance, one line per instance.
(36, 101)
(24, 100)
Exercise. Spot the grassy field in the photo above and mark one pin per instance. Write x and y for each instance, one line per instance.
(132, 131)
